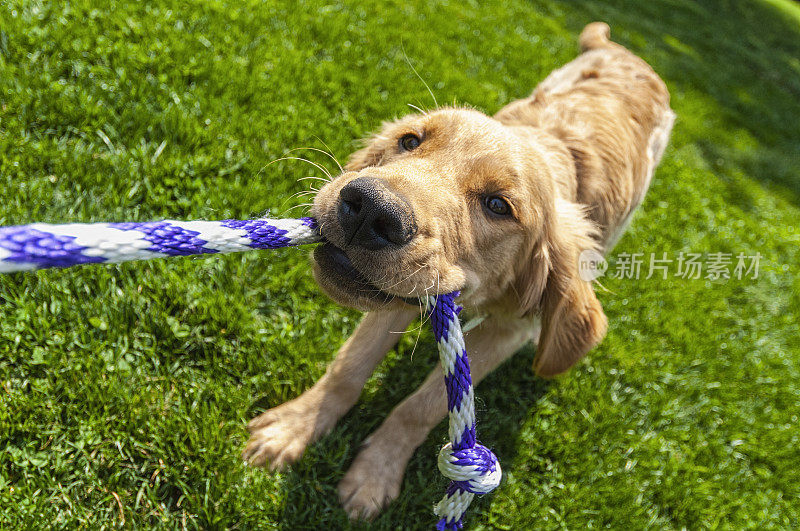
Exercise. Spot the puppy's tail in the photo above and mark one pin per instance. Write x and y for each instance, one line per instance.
(595, 35)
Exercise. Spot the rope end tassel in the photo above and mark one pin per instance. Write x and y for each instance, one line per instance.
(472, 467)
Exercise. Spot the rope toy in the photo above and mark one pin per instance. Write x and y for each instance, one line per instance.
(40, 245)
(472, 467)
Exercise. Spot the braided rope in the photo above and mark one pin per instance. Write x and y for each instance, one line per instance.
(40, 245)
(472, 467)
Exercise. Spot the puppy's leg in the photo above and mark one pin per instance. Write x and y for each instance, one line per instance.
(375, 476)
(280, 435)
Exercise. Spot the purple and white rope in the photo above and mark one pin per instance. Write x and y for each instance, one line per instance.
(38, 246)
(472, 467)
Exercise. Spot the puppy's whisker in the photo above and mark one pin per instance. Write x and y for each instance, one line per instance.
(283, 204)
(326, 153)
(404, 279)
(301, 193)
(318, 166)
(421, 308)
(436, 293)
(416, 342)
(417, 329)
(435, 103)
(329, 153)
(298, 206)
(428, 288)
(416, 108)
(425, 320)
(602, 287)
(262, 169)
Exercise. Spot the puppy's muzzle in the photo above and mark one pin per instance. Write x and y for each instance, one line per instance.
(374, 217)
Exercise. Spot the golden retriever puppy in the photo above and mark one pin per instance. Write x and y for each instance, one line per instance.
(498, 207)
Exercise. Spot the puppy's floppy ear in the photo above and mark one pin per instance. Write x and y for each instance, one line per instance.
(572, 318)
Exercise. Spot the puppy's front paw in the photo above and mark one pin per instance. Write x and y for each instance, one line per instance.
(372, 482)
(279, 436)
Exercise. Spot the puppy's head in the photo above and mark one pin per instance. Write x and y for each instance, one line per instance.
(455, 200)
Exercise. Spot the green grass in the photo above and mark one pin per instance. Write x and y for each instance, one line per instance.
(124, 390)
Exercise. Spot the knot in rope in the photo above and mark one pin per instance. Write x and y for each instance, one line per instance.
(475, 469)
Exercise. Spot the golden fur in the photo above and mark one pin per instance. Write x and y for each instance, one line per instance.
(573, 161)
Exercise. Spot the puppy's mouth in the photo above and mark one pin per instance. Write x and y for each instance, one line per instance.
(341, 273)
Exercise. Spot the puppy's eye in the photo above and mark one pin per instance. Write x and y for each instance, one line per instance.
(409, 142)
(497, 205)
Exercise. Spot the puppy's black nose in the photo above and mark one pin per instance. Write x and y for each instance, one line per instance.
(373, 217)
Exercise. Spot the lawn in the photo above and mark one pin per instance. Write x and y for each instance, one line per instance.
(124, 390)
